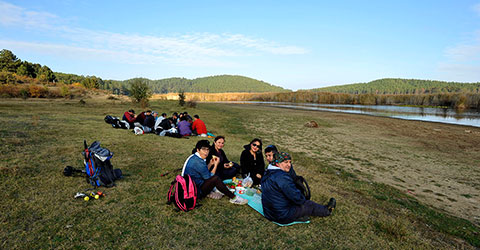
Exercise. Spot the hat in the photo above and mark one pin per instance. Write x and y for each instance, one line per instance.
(131, 110)
(281, 157)
(154, 112)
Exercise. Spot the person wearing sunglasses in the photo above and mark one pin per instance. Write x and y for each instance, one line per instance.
(251, 161)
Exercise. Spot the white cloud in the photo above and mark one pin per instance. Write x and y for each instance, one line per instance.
(464, 52)
(476, 8)
(460, 72)
(12, 15)
(197, 49)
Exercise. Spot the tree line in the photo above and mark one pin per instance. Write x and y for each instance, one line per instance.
(11, 67)
(403, 86)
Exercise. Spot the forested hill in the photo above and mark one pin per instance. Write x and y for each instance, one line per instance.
(402, 86)
(211, 84)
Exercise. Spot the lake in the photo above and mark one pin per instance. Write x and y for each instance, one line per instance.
(442, 115)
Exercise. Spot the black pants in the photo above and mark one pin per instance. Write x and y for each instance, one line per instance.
(228, 173)
(310, 208)
(212, 182)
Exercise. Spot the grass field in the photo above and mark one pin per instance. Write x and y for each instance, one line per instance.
(365, 162)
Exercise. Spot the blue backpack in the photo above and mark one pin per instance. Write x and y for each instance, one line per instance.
(98, 168)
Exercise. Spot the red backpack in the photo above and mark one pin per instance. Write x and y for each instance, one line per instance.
(183, 192)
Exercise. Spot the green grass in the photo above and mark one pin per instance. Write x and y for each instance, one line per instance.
(40, 137)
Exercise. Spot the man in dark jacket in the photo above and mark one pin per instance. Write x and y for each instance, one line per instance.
(282, 201)
(149, 122)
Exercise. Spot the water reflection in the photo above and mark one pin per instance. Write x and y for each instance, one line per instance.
(443, 115)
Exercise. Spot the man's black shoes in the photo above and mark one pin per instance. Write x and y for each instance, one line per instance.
(332, 203)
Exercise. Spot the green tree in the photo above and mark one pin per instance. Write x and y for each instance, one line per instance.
(46, 74)
(181, 98)
(26, 69)
(8, 61)
(90, 83)
(139, 92)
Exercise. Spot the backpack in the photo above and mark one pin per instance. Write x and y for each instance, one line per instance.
(302, 185)
(183, 192)
(116, 122)
(98, 168)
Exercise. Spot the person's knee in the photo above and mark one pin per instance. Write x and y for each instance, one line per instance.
(215, 178)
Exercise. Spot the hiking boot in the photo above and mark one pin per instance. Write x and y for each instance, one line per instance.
(239, 200)
(332, 203)
(215, 195)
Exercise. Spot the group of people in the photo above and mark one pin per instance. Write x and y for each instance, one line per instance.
(178, 125)
(282, 201)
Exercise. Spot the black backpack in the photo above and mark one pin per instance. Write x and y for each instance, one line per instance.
(302, 185)
(98, 168)
(116, 122)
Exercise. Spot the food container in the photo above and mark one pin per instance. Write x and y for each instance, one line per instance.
(250, 191)
(240, 190)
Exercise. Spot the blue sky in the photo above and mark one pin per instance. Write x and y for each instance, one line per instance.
(293, 44)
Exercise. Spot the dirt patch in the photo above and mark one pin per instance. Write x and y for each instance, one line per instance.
(437, 163)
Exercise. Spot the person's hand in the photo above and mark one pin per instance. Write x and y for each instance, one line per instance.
(226, 165)
(258, 176)
(215, 161)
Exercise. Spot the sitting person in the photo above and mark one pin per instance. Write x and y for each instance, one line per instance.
(251, 161)
(158, 121)
(206, 180)
(198, 126)
(225, 168)
(184, 127)
(149, 121)
(270, 151)
(282, 201)
(130, 117)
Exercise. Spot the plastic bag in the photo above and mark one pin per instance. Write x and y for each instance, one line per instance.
(248, 181)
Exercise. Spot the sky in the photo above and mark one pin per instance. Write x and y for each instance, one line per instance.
(292, 44)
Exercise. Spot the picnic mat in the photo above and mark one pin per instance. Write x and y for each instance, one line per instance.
(255, 202)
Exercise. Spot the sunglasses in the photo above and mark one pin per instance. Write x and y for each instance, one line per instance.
(256, 145)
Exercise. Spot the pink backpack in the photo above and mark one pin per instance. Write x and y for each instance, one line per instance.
(183, 192)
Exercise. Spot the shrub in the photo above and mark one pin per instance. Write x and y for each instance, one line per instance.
(65, 91)
(38, 91)
(24, 93)
(139, 92)
(9, 91)
(192, 104)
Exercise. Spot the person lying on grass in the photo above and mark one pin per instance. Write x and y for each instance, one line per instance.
(206, 180)
(282, 201)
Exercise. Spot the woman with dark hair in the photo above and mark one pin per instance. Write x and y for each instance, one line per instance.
(184, 127)
(226, 169)
(205, 179)
(251, 161)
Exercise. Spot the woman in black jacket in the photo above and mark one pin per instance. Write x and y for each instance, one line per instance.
(251, 161)
(225, 169)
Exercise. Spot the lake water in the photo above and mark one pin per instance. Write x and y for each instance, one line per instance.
(442, 115)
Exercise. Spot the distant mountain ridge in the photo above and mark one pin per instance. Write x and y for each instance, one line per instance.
(209, 84)
(402, 86)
